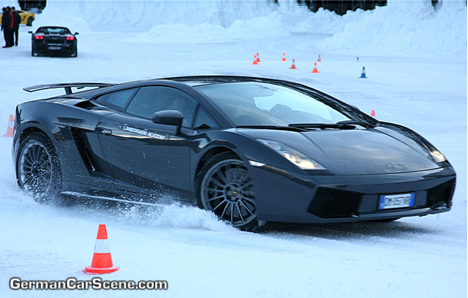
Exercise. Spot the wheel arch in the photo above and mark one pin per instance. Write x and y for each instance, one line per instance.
(30, 130)
(26, 130)
(34, 127)
(209, 154)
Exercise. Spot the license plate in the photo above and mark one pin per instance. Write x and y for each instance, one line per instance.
(396, 201)
(55, 48)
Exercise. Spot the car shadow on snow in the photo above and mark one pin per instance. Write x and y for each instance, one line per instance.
(336, 231)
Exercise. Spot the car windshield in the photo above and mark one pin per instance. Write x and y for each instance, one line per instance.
(249, 104)
(52, 30)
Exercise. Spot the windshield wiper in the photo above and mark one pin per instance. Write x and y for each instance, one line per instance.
(288, 128)
(322, 125)
(356, 122)
(347, 124)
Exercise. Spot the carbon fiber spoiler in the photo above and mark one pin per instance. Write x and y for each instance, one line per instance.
(66, 86)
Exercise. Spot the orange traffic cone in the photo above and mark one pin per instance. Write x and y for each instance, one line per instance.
(255, 62)
(320, 58)
(258, 57)
(372, 113)
(315, 70)
(102, 260)
(293, 66)
(11, 123)
(284, 57)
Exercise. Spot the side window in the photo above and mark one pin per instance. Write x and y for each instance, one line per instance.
(117, 100)
(144, 103)
(202, 118)
(150, 100)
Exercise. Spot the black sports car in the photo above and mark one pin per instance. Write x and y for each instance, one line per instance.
(247, 149)
(54, 41)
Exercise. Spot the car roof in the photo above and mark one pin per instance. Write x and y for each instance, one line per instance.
(191, 81)
(52, 27)
(220, 79)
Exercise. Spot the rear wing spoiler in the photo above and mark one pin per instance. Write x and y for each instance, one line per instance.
(66, 86)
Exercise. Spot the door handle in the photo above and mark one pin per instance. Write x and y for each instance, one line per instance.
(104, 131)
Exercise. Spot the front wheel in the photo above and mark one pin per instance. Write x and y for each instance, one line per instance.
(226, 188)
(38, 168)
(30, 21)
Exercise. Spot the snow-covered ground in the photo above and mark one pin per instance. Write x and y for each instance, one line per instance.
(417, 76)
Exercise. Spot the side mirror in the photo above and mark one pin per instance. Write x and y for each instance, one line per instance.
(30, 32)
(76, 33)
(169, 117)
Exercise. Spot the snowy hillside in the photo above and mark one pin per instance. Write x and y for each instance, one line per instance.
(416, 65)
(415, 26)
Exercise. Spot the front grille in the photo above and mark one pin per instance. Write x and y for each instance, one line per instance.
(441, 194)
(330, 203)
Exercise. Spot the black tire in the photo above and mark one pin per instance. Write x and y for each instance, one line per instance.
(75, 52)
(30, 21)
(33, 52)
(224, 186)
(38, 168)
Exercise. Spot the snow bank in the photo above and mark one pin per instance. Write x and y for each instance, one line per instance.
(149, 13)
(261, 27)
(408, 30)
(401, 28)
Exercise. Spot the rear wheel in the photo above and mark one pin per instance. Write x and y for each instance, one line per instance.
(226, 188)
(30, 21)
(38, 168)
(33, 52)
(75, 52)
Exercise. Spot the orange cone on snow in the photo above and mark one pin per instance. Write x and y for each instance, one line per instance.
(255, 62)
(293, 66)
(11, 122)
(372, 113)
(284, 57)
(319, 59)
(315, 70)
(102, 259)
(258, 57)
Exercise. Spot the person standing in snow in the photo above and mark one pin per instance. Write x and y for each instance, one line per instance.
(5, 27)
(16, 24)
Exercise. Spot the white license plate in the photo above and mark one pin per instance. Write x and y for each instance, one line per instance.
(55, 48)
(396, 201)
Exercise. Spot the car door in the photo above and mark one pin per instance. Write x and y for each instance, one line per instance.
(143, 154)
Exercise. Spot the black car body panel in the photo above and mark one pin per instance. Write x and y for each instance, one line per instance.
(54, 40)
(104, 149)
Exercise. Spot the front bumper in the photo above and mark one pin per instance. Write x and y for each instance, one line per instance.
(291, 197)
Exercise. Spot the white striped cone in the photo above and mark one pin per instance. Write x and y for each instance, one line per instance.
(102, 259)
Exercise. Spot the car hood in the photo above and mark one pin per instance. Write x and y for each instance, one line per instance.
(355, 152)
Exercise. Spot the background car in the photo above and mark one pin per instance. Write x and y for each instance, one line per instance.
(247, 149)
(27, 17)
(53, 40)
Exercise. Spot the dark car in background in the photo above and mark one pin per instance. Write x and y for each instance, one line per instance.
(54, 41)
(247, 149)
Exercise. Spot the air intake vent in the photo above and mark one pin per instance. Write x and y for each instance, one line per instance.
(329, 203)
(441, 194)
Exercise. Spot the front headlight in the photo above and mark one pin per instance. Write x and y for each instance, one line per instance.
(293, 156)
(439, 157)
